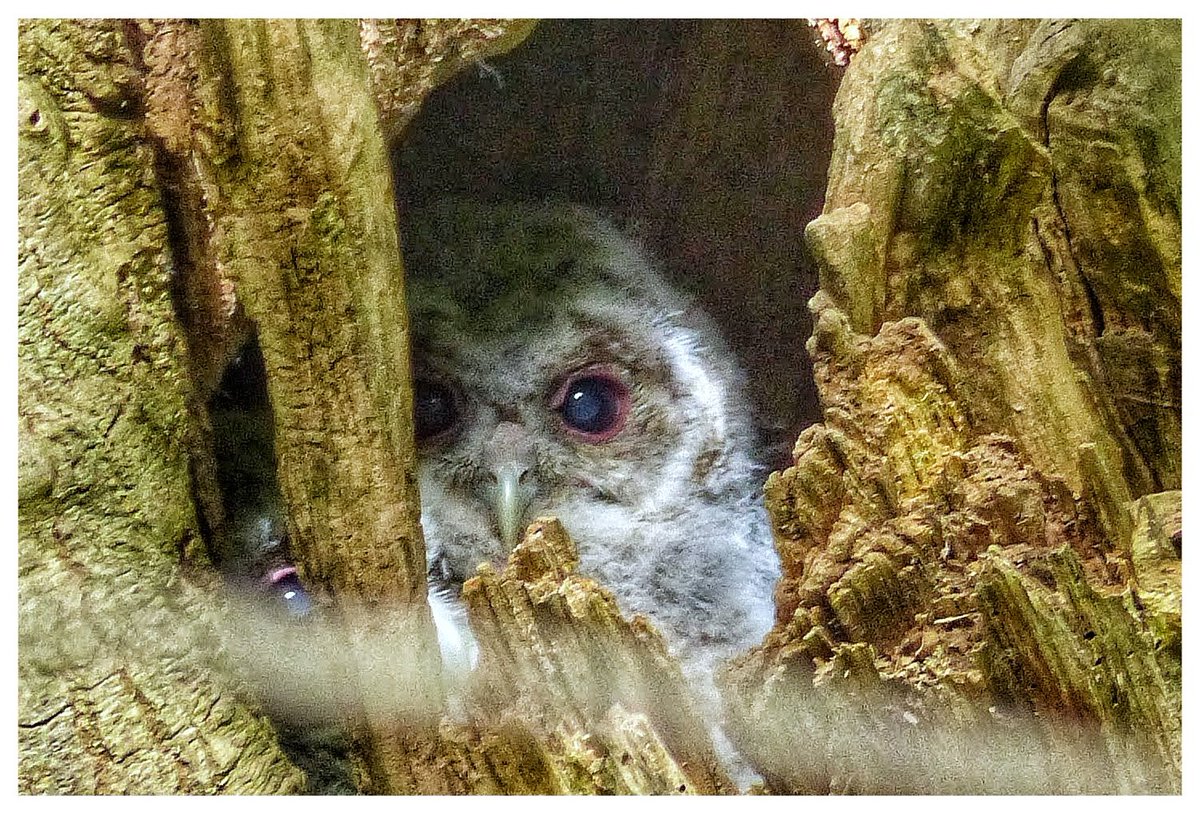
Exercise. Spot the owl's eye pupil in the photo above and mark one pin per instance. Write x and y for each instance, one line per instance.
(285, 585)
(594, 406)
(434, 409)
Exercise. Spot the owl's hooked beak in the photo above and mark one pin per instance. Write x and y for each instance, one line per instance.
(511, 461)
(510, 497)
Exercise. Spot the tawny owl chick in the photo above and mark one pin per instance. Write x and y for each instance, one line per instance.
(557, 374)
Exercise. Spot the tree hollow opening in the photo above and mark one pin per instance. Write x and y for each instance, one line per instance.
(708, 140)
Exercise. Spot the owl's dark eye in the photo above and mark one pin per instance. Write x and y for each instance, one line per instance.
(434, 409)
(593, 405)
(284, 585)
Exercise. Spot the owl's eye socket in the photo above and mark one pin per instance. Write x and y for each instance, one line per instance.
(435, 410)
(593, 405)
(284, 585)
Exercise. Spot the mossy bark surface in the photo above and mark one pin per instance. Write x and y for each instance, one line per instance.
(997, 354)
(980, 540)
(117, 691)
(239, 166)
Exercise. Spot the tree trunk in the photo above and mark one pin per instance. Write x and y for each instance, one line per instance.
(975, 566)
(980, 539)
(117, 688)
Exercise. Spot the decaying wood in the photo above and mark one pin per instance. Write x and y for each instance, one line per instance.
(981, 539)
(604, 697)
(105, 398)
(116, 690)
(569, 697)
(299, 217)
(308, 236)
(408, 58)
(961, 567)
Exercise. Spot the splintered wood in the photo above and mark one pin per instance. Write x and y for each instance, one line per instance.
(600, 696)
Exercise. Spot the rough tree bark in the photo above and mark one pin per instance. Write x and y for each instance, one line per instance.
(977, 539)
(268, 142)
(117, 693)
(980, 539)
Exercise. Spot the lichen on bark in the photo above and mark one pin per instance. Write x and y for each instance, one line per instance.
(135, 164)
(116, 692)
(957, 534)
(980, 539)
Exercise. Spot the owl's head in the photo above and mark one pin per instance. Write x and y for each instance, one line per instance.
(556, 373)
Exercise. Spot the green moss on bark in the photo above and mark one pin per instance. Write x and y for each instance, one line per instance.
(116, 694)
